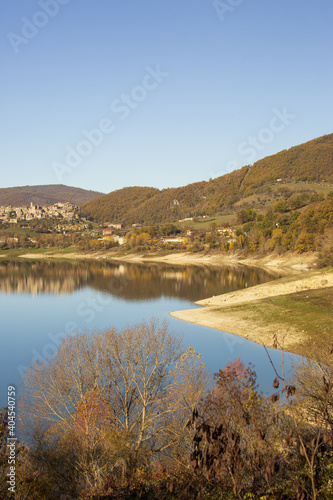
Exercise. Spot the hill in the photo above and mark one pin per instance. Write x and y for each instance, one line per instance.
(120, 205)
(45, 195)
(311, 162)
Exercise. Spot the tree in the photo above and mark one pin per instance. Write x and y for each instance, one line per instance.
(325, 257)
(169, 229)
(236, 432)
(189, 384)
(305, 242)
(246, 215)
(281, 206)
(113, 398)
(309, 415)
(276, 240)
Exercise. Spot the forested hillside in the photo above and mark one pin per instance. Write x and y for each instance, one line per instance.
(311, 162)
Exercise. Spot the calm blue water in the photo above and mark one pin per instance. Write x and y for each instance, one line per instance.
(38, 309)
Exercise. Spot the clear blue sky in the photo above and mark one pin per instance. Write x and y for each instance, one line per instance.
(180, 90)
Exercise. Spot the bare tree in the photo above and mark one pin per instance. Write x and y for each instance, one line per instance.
(314, 381)
(312, 414)
(117, 396)
(309, 410)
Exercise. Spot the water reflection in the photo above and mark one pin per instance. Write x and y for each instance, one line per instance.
(128, 281)
(43, 301)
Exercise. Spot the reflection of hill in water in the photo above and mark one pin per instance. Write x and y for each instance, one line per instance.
(129, 281)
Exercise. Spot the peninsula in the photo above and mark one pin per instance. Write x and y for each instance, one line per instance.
(293, 313)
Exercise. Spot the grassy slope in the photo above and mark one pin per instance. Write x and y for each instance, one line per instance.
(309, 312)
(17, 252)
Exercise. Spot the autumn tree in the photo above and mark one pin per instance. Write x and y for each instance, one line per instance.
(189, 384)
(308, 410)
(246, 215)
(112, 400)
(235, 443)
(325, 256)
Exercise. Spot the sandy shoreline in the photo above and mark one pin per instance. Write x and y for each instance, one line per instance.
(292, 263)
(221, 312)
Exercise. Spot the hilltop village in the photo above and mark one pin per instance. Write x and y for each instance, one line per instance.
(65, 220)
(12, 214)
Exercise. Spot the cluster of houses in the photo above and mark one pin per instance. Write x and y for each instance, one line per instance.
(12, 215)
(69, 212)
(227, 233)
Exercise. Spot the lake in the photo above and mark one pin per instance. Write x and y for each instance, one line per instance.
(43, 301)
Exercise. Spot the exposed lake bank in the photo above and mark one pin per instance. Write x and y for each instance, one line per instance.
(290, 262)
(297, 309)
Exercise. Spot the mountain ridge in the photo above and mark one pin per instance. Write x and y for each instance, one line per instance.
(308, 162)
(47, 194)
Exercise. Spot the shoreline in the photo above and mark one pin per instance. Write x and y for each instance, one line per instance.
(289, 263)
(240, 312)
